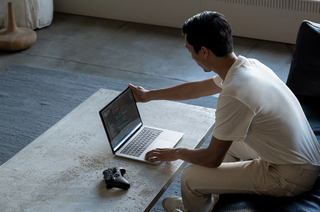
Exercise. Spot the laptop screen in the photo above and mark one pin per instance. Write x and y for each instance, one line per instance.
(121, 118)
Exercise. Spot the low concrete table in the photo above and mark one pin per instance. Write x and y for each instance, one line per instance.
(62, 169)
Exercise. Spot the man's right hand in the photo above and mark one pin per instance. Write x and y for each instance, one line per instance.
(140, 94)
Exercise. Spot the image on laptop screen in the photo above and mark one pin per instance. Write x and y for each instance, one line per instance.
(121, 118)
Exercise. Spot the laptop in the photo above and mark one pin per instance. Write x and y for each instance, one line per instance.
(126, 132)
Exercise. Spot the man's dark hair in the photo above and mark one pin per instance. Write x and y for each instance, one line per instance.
(211, 30)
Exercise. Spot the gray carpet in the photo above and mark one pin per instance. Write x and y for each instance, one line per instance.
(32, 100)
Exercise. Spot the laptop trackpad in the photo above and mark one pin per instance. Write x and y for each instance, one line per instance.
(160, 143)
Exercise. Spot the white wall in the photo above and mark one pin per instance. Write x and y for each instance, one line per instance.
(159, 12)
(266, 23)
(247, 21)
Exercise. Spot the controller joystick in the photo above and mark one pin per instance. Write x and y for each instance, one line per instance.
(114, 178)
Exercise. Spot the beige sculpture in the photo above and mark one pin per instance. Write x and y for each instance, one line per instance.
(15, 38)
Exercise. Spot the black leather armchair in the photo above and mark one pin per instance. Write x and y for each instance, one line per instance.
(304, 81)
(304, 75)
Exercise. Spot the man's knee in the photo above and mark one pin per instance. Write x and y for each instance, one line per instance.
(189, 174)
(190, 180)
(186, 173)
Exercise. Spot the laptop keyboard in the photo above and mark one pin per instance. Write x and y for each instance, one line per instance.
(141, 142)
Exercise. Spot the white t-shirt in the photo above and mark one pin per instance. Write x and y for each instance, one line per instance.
(257, 108)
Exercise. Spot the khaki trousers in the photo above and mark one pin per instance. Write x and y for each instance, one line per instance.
(201, 186)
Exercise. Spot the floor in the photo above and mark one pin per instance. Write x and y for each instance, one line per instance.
(150, 55)
(146, 54)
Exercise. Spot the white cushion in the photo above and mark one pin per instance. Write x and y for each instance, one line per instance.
(28, 13)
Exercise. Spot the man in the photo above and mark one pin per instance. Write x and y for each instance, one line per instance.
(262, 142)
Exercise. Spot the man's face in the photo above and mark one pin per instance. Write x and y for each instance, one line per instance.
(198, 57)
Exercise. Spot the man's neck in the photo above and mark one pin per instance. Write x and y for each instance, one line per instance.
(223, 64)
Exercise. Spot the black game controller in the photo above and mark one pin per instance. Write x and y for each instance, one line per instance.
(114, 178)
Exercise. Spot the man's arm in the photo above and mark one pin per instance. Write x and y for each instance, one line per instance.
(211, 156)
(188, 90)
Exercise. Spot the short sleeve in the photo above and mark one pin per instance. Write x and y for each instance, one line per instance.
(218, 81)
(233, 119)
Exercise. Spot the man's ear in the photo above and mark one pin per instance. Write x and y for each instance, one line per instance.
(205, 52)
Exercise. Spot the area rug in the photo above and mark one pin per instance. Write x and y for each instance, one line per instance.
(32, 100)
